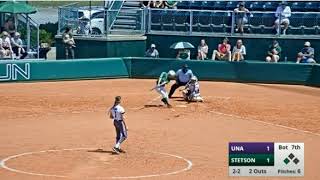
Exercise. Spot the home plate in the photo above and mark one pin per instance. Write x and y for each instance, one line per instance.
(181, 106)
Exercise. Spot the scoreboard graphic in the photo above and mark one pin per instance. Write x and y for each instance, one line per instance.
(266, 159)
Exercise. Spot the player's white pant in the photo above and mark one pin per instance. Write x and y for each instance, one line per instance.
(162, 91)
(193, 97)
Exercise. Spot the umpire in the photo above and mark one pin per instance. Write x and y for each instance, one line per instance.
(183, 76)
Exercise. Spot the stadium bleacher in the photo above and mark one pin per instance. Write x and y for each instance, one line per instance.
(300, 6)
(208, 16)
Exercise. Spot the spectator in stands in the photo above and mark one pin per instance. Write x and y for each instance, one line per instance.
(282, 14)
(239, 51)
(2, 51)
(157, 4)
(183, 54)
(202, 50)
(307, 54)
(223, 52)
(274, 52)
(84, 26)
(6, 49)
(170, 4)
(69, 43)
(152, 52)
(145, 4)
(9, 26)
(241, 16)
(17, 46)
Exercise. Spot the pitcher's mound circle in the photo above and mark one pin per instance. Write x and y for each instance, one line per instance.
(89, 163)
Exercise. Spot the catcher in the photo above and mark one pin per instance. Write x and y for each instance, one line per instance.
(191, 92)
(160, 87)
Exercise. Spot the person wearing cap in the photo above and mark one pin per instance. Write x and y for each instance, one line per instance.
(17, 46)
(307, 54)
(241, 16)
(223, 52)
(116, 113)
(6, 48)
(274, 52)
(152, 52)
(84, 26)
(202, 50)
(183, 76)
(282, 14)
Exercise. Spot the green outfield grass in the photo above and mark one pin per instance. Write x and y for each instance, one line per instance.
(57, 3)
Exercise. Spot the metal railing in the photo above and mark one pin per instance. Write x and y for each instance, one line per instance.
(205, 21)
(31, 32)
(186, 21)
(101, 22)
(134, 26)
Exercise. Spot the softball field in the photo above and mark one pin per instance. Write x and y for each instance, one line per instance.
(60, 130)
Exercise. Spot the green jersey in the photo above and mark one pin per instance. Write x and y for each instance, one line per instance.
(272, 48)
(163, 79)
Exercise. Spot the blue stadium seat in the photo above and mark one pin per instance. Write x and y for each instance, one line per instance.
(202, 21)
(221, 21)
(219, 5)
(296, 20)
(206, 18)
(255, 19)
(196, 5)
(310, 20)
(231, 5)
(268, 19)
(256, 6)
(167, 20)
(297, 6)
(156, 20)
(270, 6)
(312, 6)
(156, 16)
(181, 17)
(181, 21)
(208, 5)
(219, 18)
(247, 4)
(183, 5)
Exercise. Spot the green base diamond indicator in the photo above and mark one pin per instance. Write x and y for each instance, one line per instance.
(266, 159)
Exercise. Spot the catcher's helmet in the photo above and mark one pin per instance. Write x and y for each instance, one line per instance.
(171, 74)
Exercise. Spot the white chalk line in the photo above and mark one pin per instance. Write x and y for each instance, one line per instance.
(267, 123)
(3, 165)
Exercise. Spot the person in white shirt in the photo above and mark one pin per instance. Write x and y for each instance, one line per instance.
(239, 51)
(116, 113)
(6, 48)
(282, 14)
(152, 52)
(202, 50)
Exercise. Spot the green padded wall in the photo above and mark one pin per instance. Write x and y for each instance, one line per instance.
(287, 73)
(58, 70)
(314, 79)
(102, 48)
(250, 71)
